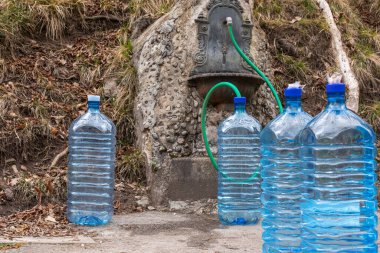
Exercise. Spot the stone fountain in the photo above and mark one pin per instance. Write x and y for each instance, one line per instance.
(178, 59)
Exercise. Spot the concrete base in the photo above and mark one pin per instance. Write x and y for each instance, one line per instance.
(192, 179)
(157, 232)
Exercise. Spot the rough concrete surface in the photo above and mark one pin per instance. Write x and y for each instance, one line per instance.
(157, 232)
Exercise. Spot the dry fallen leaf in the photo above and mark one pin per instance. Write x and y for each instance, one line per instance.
(14, 181)
(51, 219)
(296, 19)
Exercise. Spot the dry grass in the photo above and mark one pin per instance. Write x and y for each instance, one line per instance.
(151, 8)
(122, 70)
(52, 16)
(131, 167)
(359, 23)
(130, 164)
(371, 112)
(34, 17)
(300, 46)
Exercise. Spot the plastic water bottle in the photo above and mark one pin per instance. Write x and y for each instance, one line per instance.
(282, 176)
(239, 161)
(339, 199)
(91, 167)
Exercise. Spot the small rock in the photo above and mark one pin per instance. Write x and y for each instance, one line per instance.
(9, 194)
(170, 139)
(15, 170)
(184, 133)
(181, 140)
(151, 208)
(144, 201)
(110, 88)
(177, 205)
(155, 136)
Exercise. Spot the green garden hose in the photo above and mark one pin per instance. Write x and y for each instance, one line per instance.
(237, 92)
(204, 133)
(255, 68)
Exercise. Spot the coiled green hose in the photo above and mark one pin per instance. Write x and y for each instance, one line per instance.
(237, 92)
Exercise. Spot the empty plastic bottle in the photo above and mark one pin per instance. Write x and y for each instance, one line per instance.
(91, 167)
(339, 197)
(239, 160)
(282, 176)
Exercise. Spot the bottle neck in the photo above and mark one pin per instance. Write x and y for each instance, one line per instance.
(336, 101)
(293, 104)
(93, 107)
(240, 108)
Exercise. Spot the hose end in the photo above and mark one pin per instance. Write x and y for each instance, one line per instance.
(229, 20)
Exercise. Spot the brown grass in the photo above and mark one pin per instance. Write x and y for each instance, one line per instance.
(151, 8)
(300, 46)
(359, 24)
(371, 112)
(33, 17)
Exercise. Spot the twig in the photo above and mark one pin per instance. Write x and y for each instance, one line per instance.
(108, 17)
(58, 157)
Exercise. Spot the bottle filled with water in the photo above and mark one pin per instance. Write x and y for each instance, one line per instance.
(239, 160)
(339, 197)
(91, 167)
(282, 176)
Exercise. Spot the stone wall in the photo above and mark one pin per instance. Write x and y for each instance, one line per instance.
(167, 110)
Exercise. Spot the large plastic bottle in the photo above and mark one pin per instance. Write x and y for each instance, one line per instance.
(91, 167)
(282, 176)
(339, 197)
(239, 160)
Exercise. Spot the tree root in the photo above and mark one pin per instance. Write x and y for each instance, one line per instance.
(341, 58)
(58, 157)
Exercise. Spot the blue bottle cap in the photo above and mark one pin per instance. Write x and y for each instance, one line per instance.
(293, 92)
(335, 88)
(93, 98)
(240, 100)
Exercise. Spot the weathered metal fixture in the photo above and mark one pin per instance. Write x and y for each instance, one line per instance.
(216, 59)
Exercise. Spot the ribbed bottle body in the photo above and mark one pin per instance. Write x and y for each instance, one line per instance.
(282, 181)
(91, 171)
(339, 197)
(239, 158)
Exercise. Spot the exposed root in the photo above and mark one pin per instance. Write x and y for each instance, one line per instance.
(106, 17)
(59, 157)
(342, 58)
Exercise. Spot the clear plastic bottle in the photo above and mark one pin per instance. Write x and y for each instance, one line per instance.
(239, 159)
(282, 176)
(91, 167)
(339, 197)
